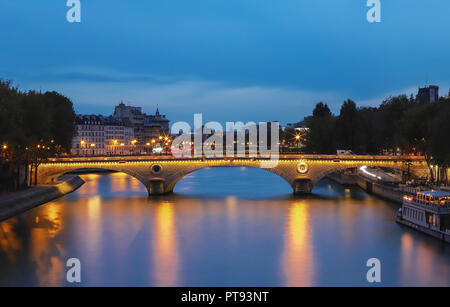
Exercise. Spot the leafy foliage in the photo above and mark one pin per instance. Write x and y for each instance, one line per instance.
(33, 127)
(399, 125)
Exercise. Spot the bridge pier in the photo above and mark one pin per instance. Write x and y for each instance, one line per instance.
(155, 187)
(302, 186)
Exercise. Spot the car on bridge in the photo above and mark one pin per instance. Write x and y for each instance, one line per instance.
(341, 152)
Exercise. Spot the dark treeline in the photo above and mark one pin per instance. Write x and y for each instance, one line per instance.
(400, 125)
(33, 127)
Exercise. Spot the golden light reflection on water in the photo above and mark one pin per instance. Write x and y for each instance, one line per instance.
(165, 248)
(45, 252)
(10, 243)
(121, 181)
(93, 226)
(92, 184)
(417, 260)
(297, 260)
(144, 239)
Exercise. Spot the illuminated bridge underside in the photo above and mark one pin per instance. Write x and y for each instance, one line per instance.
(159, 176)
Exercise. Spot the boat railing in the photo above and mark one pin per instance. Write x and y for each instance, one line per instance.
(427, 203)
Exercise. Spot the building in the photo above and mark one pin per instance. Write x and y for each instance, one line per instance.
(119, 137)
(97, 135)
(428, 94)
(127, 132)
(147, 128)
(89, 139)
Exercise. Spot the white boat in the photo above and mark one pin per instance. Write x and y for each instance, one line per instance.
(428, 212)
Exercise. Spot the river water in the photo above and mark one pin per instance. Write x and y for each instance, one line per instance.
(221, 227)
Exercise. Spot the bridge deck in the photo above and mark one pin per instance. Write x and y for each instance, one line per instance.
(289, 157)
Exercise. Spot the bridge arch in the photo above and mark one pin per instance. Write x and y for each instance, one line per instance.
(322, 173)
(50, 176)
(172, 181)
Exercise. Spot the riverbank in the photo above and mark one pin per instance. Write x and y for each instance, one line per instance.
(19, 202)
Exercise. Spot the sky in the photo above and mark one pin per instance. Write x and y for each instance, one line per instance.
(231, 60)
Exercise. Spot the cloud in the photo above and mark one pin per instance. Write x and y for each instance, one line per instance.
(180, 99)
(99, 90)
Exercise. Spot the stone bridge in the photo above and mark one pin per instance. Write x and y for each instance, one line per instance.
(160, 174)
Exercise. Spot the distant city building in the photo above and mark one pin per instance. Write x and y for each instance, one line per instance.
(155, 125)
(119, 136)
(428, 94)
(127, 132)
(89, 139)
(146, 127)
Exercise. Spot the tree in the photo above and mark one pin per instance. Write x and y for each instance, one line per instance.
(348, 132)
(62, 117)
(321, 134)
(33, 127)
(387, 121)
(367, 117)
(438, 145)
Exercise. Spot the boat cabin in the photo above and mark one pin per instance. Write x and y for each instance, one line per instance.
(437, 198)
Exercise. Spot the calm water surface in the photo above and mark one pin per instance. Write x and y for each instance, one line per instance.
(222, 227)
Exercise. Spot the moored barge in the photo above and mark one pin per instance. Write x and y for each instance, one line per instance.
(428, 212)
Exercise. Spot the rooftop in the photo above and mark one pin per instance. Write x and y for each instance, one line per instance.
(436, 194)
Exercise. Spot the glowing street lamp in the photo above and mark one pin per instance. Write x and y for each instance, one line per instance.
(5, 147)
(297, 138)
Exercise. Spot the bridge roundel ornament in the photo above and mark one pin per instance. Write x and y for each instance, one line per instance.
(156, 169)
(302, 167)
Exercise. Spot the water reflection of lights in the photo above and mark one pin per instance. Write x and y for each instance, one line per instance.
(165, 247)
(120, 181)
(348, 194)
(416, 261)
(232, 214)
(298, 263)
(47, 256)
(91, 186)
(94, 208)
(50, 219)
(10, 242)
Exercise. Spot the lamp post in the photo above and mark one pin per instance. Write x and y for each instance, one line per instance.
(133, 142)
(114, 146)
(82, 143)
(153, 141)
(4, 147)
(297, 138)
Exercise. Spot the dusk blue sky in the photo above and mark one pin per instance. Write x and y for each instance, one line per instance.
(230, 60)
